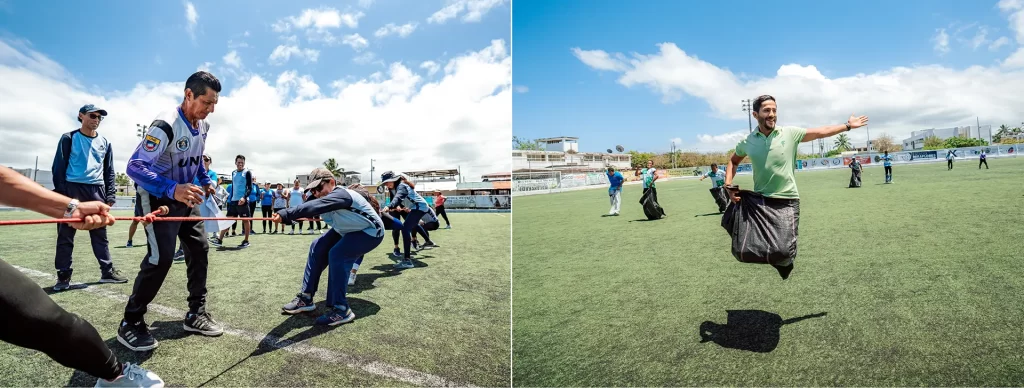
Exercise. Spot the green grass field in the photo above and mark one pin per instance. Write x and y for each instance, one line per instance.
(444, 322)
(921, 283)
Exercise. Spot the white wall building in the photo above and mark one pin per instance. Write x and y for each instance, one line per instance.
(557, 153)
(916, 139)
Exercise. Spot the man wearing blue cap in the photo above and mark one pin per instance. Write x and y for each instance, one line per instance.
(83, 169)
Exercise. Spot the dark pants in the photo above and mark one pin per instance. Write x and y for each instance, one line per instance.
(412, 220)
(337, 252)
(30, 319)
(252, 211)
(267, 213)
(161, 237)
(66, 234)
(888, 173)
(983, 161)
(393, 223)
(949, 164)
(441, 213)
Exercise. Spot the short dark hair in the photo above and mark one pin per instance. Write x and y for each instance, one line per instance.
(760, 100)
(202, 81)
(240, 157)
(714, 165)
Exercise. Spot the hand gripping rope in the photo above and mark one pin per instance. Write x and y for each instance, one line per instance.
(155, 216)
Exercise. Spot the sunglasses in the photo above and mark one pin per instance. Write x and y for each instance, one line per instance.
(96, 116)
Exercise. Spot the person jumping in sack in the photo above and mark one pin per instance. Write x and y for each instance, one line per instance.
(772, 151)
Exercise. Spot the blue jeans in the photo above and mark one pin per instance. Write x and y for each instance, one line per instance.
(337, 252)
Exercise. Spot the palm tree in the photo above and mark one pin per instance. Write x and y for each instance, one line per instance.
(332, 166)
(843, 142)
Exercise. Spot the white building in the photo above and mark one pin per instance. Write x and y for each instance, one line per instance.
(556, 154)
(916, 139)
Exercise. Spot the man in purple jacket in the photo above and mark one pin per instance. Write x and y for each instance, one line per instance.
(83, 169)
(164, 165)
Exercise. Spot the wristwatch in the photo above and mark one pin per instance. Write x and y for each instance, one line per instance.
(848, 127)
(71, 208)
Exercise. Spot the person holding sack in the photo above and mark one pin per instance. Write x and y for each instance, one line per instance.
(717, 191)
(763, 223)
(855, 170)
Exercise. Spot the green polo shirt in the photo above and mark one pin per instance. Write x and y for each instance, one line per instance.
(773, 159)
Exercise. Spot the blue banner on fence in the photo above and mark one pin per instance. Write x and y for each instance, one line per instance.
(924, 155)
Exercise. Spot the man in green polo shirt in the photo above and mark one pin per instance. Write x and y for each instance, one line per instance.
(772, 151)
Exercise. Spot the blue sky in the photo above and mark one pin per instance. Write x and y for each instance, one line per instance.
(415, 85)
(734, 50)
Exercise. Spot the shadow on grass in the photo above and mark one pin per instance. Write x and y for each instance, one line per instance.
(162, 331)
(647, 220)
(709, 214)
(74, 286)
(276, 339)
(751, 330)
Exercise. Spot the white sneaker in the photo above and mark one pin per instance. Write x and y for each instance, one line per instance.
(352, 278)
(133, 376)
(404, 264)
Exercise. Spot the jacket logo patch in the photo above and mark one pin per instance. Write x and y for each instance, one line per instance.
(182, 144)
(150, 143)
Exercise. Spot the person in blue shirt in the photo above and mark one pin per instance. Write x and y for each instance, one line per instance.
(239, 192)
(615, 180)
(267, 204)
(887, 164)
(717, 187)
(356, 229)
(164, 165)
(83, 169)
(983, 159)
(405, 196)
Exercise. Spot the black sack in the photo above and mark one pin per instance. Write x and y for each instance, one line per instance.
(652, 210)
(763, 230)
(721, 197)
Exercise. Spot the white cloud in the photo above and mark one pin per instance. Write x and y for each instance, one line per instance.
(898, 100)
(677, 141)
(356, 41)
(998, 43)
(392, 29)
(205, 66)
(365, 3)
(522, 89)
(474, 10)
(941, 40)
(1015, 9)
(232, 59)
(719, 142)
(320, 19)
(598, 59)
(282, 54)
(431, 66)
(192, 17)
(246, 34)
(1015, 61)
(469, 111)
(365, 58)
(980, 38)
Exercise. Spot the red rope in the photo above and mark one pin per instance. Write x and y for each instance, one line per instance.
(151, 217)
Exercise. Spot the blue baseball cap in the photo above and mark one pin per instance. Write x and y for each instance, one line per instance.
(89, 108)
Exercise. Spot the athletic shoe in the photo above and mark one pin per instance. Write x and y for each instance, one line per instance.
(321, 231)
(396, 253)
(129, 244)
(404, 264)
(232, 233)
(415, 245)
(244, 244)
(217, 242)
(133, 376)
(179, 255)
(429, 245)
(300, 304)
(63, 280)
(352, 278)
(113, 276)
(202, 324)
(447, 226)
(336, 316)
(136, 336)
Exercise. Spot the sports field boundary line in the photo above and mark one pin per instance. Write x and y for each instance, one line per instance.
(405, 375)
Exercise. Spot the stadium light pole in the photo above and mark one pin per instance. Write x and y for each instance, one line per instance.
(372, 169)
(747, 108)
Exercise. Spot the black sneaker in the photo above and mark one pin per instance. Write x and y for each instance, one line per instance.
(136, 336)
(202, 324)
(244, 244)
(430, 245)
(416, 245)
(179, 255)
(63, 281)
(216, 241)
(301, 303)
(113, 276)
